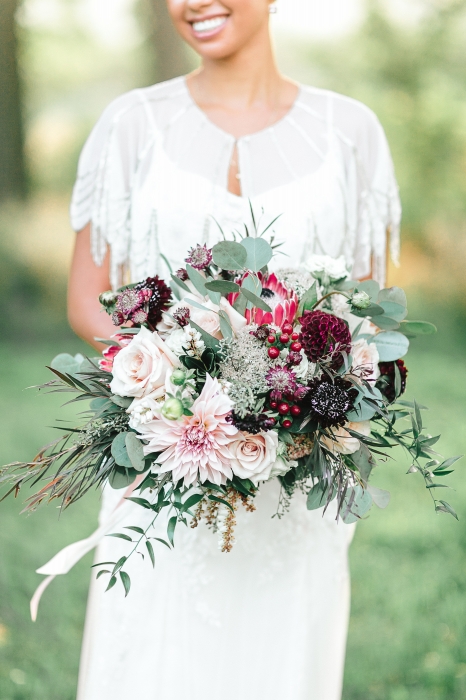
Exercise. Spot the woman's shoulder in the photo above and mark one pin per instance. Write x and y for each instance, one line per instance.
(143, 103)
(354, 120)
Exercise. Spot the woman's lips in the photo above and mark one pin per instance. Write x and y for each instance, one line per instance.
(209, 27)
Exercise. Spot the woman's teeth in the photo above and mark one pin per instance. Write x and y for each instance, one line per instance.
(208, 25)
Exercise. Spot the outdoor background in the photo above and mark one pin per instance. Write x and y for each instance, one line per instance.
(61, 62)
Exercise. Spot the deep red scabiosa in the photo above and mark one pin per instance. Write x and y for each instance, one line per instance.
(199, 257)
(159, 300)
(322, 335)
(329, 401)
(281, 380)
(386, 382)
(282, 300)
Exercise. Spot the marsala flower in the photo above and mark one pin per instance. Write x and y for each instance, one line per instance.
(160, 298)
(386, 383)
(199, 257)
(281, 380)
(322, 335)
(328, 402)
(282, 300)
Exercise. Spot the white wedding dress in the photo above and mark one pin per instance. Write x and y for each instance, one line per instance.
(268, 620)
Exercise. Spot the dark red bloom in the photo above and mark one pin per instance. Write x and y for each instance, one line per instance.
(329, 401)
(386, 382)
(324, 335)
(159, 300)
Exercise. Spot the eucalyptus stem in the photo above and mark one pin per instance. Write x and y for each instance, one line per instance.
(327, 296)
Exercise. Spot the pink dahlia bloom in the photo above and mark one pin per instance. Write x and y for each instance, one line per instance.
(198, 446)
(282, 300)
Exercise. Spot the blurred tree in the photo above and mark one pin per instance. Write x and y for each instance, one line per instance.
(12, 166)
(169, 55)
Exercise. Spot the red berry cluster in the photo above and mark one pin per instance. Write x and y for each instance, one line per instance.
(278, 341)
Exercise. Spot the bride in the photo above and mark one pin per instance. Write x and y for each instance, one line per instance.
(162, 166)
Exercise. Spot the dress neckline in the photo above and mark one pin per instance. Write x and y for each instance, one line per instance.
(246, 137)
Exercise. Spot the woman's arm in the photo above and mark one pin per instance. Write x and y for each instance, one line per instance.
(86, 282)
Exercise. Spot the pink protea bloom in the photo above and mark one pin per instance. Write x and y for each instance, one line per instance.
(282, 300)
(195, 447)
(109, 354)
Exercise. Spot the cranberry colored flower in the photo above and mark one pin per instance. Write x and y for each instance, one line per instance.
(324, 335)
(159, 300)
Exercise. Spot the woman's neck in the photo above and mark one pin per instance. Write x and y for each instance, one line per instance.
(242, 81)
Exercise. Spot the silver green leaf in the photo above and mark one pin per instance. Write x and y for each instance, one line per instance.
(229, 255)
(259, 253)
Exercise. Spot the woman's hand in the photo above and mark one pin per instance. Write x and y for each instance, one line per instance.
(86, 282)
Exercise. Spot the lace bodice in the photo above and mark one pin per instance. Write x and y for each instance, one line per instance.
(152, 179)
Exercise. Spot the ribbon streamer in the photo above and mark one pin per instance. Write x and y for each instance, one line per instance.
(62, 562)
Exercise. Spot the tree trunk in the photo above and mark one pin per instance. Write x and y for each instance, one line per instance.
(12, 167)
(171, 57)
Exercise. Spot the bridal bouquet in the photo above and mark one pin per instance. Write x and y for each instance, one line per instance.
(234, 376)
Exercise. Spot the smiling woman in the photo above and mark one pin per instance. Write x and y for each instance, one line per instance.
(162, 168)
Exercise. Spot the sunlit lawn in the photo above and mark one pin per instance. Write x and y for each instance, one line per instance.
(407, 637)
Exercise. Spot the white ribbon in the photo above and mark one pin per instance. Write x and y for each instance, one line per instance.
(62, 562)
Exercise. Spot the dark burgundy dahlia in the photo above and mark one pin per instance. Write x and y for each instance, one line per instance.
(322, 335)
(329, 401)
(159, 300)
(386, 382)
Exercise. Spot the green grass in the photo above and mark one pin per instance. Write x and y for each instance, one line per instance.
(407, 639)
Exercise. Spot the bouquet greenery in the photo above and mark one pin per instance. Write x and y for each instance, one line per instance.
(230, 377)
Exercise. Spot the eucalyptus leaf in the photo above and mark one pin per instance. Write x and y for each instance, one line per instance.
(357, 503)
(121, 478)
(418, 328)
(309, 300)
(209, 340)
(394, 310)
(259, 253)
(135, 451)
(364, 461)
(393, 294)
(121, 401)
(318, 497)
(391, 345)
(119, 451)
(222, 286)
(181, 284)
(241, 304)
(380, 497)
(258, 302)
(252, 282)
(229, 255)
(371, 287)
(197, 279)
(67, 364)
(385, 323)
(225, 325)
(374, 310)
